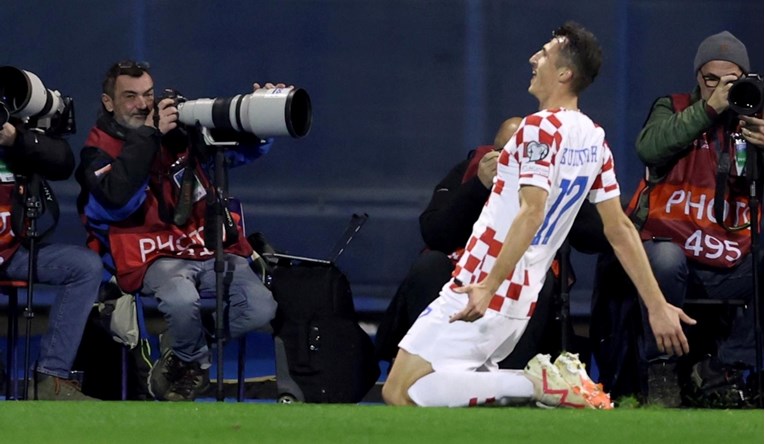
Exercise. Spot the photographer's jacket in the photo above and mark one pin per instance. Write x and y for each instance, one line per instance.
(130, 192)
(680, 144)
(456, 202)
(33, 153)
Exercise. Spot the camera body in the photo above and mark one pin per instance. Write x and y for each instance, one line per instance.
(23, 96)
(170, 93)
(745, 95)
(267, 112)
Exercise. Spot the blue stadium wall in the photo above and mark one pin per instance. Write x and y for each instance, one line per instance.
(401, 90)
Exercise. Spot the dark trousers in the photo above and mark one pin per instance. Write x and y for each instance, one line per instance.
(680, 278)
(620, 334)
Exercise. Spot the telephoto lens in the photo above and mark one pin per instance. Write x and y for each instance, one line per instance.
(745, 95)
(26, 96)
(267, 112)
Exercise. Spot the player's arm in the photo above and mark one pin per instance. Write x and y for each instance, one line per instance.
(517, 241)
(663, 317)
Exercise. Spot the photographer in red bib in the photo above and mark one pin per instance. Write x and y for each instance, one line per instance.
(134, 167)
(693, 253)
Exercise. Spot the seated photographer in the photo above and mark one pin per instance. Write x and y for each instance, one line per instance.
(73, 272)
(145, 197)
(692, 252)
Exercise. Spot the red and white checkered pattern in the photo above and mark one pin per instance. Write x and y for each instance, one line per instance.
(551, 149)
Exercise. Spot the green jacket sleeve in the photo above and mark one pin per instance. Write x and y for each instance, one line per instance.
(667, 134)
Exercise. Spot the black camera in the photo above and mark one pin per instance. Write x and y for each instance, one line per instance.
(267, 112)
(745, 95)
(170, 93)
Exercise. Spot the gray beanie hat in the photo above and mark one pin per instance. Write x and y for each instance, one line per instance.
(722, 46)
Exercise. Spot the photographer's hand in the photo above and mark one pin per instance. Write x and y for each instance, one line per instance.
(7, 135)
(487, 168)
(752, 129)
(719, 98)
(168, 116)
(269, 85)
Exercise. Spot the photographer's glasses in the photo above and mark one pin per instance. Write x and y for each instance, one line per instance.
(711, 80)
(130, 66)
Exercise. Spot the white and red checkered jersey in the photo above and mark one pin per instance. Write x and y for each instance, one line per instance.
(563, 152)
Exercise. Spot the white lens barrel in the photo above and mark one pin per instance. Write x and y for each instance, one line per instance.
(25, 94)
(263, 112)
(199, 110)
(35, 98)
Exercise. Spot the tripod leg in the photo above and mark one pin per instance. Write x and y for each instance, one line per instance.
(28, 313)
(12, 379)
(564, 306)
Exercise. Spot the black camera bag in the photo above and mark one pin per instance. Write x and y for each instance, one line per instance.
(328, 355)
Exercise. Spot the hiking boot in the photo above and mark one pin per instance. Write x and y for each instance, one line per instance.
(713, 384)
(550, 389)
(52, 388)
(573, 371)
(163, 373)
(663, 387)
(191, 383)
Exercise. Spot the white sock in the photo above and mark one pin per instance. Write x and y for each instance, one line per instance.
(466, 388)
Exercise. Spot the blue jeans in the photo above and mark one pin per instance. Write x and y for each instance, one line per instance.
(675, 274)
(178, 283)
(74, 273)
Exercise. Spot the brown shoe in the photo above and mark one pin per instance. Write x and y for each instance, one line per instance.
(164, 373)
(52, 388)
(191, 383)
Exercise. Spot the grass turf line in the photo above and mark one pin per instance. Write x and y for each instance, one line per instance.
(149, 422)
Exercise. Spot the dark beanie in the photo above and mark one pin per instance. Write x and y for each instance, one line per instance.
(722, 46)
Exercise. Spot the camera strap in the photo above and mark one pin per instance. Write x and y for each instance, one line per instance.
(187, 184)
(721, 187)
(227, 230)
(185, 196)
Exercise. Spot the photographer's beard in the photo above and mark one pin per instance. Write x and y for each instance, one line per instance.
(126, 114)
(132, 120)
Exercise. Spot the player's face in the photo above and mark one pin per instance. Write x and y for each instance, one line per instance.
(132, 101)
(544, 72)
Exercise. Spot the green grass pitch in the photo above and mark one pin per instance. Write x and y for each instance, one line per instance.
(212, 423)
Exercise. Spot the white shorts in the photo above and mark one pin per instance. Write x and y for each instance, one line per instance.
(461, 345)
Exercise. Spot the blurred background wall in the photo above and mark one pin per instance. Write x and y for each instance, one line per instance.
(401, 91)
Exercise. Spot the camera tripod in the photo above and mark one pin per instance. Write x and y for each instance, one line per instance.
(219, 200)
(752, 172)
(32, 211)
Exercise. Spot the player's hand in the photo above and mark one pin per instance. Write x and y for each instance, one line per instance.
(752, 129)
(487, 168)
(668, 331)
(478, 302)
